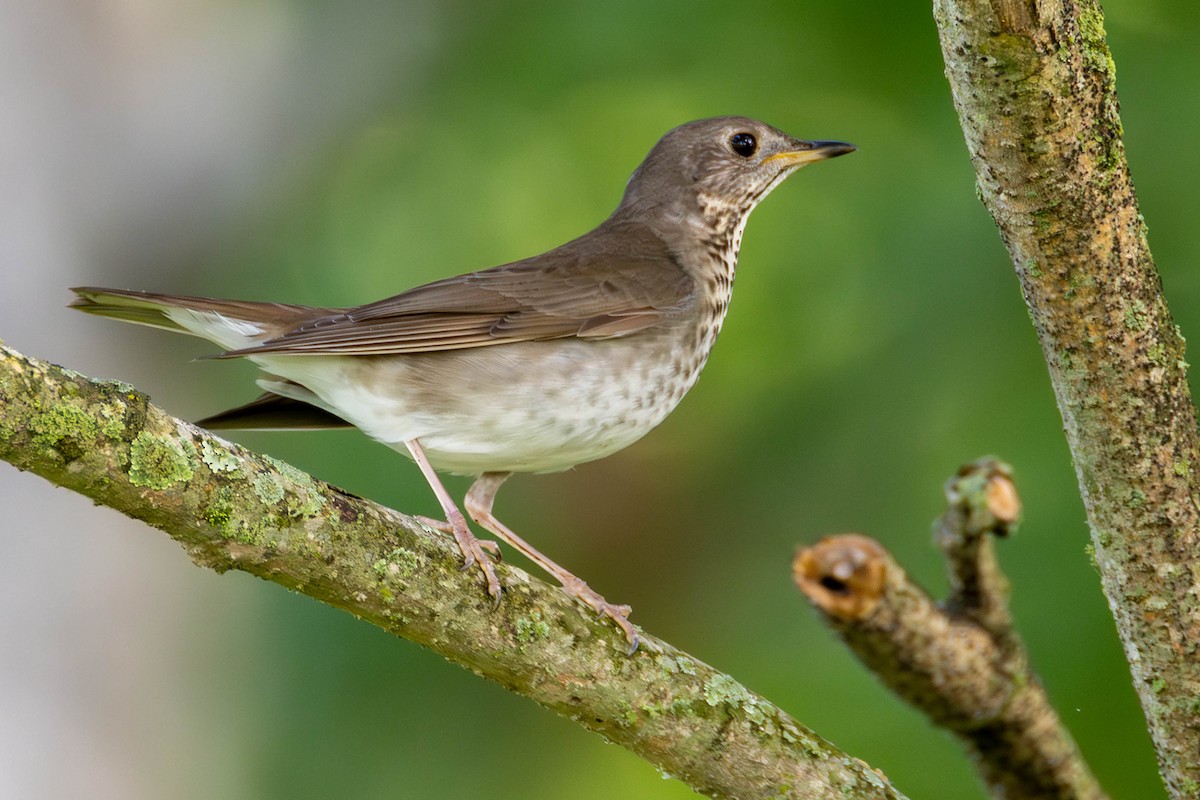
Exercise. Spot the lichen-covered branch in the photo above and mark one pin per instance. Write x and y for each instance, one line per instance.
(1034, 85)
(960, 662)
(233, 509)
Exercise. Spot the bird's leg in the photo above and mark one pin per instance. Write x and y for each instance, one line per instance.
(472, 549)
(479, 500)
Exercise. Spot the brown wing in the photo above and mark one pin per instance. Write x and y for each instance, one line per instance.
(612, 282)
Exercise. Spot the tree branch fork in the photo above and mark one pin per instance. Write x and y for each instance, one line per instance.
(961, 662)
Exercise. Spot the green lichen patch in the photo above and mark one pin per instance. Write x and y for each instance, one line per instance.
(66, 427)
(219, 512)
(157, 462)
(671, 665)
(532, 627)
(218, 458)
(1136, 499)
(305, 503)
(1094, 44)
(303, 499)
(222, 512)
(1137, 317)
(119, 408)
(1157, 354)
(722, 689)
(399, 564)
(112, 420)
(679, 706)
(268, 488)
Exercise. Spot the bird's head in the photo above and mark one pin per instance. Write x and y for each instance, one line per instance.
(716, 170)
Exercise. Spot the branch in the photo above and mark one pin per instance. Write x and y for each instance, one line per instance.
(233, 509)
(1034, 86)
(961, 662)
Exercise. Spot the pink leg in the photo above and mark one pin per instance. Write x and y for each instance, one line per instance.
(479, 503)
(493, 549)
(472, 549)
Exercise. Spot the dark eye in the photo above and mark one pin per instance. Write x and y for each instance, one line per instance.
(744, 144)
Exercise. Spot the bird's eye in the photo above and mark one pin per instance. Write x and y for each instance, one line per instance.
(744, 144)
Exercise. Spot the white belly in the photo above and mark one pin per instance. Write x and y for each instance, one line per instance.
(527, 407)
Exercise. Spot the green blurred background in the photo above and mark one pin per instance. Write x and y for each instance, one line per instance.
(332, 153)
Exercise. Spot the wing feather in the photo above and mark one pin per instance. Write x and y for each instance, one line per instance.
(616, 281)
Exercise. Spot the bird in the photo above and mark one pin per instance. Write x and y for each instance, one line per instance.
(528, 367)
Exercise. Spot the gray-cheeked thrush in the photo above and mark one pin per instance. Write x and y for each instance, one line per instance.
(533, 366)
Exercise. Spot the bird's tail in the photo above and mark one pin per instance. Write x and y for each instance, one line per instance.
(232, 324)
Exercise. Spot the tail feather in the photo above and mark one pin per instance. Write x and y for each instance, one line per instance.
(229, 323)
(106, 303)
(272, 412)
(232, 324)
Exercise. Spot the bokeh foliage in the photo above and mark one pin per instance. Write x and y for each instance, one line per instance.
(877, 339)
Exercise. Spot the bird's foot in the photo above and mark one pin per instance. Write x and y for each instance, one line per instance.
(492, 548)
(475, 551)
(593, 600)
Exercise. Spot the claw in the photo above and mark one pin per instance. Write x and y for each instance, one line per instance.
(475, 553)
(488, 567)
(493, 549)
(617, 613)
(620, 615)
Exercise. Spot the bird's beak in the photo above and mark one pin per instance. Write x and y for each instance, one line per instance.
(807, 152)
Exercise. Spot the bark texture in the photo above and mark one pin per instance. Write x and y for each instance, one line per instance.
(960, 662)
(233, 509)
(1034, 85)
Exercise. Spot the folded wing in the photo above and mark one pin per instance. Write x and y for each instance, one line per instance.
(606, 289)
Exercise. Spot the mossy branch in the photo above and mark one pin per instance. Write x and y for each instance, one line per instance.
(233, 509)
(1034, 85)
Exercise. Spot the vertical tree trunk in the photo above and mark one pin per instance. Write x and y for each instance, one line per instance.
(1034, 86)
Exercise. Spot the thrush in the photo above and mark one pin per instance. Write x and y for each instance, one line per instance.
(532, 366)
